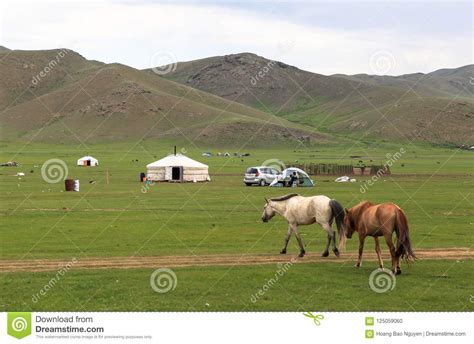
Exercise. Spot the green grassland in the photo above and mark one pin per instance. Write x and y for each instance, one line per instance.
(433, 185)
(428, 286)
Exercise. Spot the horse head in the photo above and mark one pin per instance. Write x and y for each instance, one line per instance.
(348, 229)
(352, 217)
(349, 223)
(268, 211)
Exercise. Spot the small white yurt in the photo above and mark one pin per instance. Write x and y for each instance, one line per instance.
(88, 161)
(177, 168)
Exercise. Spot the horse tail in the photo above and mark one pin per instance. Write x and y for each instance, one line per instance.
(404, 249)
(338, 214)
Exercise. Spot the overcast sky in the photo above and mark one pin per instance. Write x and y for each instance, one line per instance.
(378, 37)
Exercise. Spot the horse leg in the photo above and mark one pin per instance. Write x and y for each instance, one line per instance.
(300, 243)
(361, 250)
(287, 239)
(399, 270)
(326, 250)
(378, 251)
(331, 237)
(388, 238)
(334, 248)
(333, 234)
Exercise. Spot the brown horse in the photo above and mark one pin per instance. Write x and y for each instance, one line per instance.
(375, 220)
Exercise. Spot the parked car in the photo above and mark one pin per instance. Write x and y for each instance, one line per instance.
(260, 175)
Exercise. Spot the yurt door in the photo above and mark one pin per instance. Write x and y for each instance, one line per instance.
(177, 173)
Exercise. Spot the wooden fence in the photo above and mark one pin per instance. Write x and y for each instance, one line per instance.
(341, 170)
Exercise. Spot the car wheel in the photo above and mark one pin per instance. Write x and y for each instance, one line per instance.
(262, 183)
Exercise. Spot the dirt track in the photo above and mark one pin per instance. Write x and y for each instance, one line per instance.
(37, 265)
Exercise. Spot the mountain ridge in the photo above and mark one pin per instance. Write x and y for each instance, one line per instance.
(79, 100)
(361, 105)
(58, 95)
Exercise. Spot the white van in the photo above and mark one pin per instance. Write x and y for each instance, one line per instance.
(260, 175)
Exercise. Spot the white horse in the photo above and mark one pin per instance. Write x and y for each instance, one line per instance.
(299, 210)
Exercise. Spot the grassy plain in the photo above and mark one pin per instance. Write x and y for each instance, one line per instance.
(434, 187)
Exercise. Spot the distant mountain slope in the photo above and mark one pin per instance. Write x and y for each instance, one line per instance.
(443, 82)
(261, 83)
(436, 107)
(78, 100)
(26, 74)
(59, 96)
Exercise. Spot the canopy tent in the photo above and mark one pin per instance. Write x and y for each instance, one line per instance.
(284, 177)
(177, 168)
(88, 161)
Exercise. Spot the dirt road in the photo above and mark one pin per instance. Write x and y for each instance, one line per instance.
(37, 265)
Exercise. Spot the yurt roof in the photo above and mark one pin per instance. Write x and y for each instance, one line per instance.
(176, 160)
(88, 157)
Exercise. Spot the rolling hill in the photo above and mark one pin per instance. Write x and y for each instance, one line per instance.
(437, 107)
(261, 83)
(59, 96)
(234, 100)
(443, 82)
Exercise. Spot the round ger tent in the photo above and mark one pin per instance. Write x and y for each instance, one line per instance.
(88, 161)
(177, 168)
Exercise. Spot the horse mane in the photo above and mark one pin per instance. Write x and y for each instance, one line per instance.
(283, 198)
(359, 208)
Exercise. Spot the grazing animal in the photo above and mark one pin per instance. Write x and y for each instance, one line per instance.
(299, 210)
(377, 220)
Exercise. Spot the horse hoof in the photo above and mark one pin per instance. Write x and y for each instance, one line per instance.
(336, 252)
(357, 265)
(399, 271)
(283, 252)
(325, 254)
(301, 255)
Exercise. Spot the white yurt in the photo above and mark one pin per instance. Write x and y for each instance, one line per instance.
(88, 161)
(177, 168)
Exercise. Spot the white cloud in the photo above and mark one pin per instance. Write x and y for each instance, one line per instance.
(132, 34)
